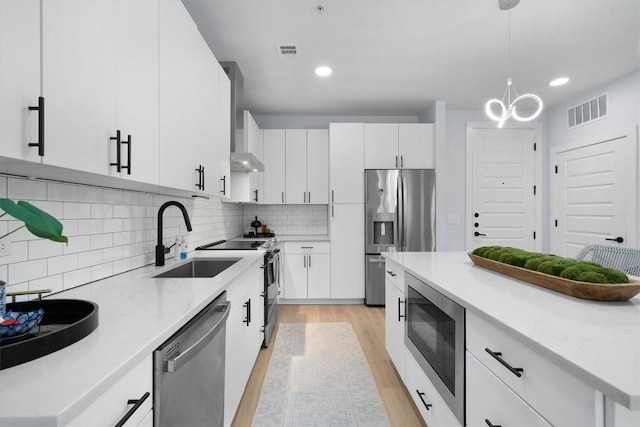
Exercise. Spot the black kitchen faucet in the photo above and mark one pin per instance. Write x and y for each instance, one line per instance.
(160, 249)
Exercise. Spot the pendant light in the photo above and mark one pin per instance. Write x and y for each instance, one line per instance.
(508, 109)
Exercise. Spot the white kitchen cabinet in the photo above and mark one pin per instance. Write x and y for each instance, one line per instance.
(551, 391)
(395, 311)
(403, 145)
(347, 250)
(307, 166)
(346, 163)
(79, 82)
(491, 400)
(244, 336)
(307, 267)
(224, 131)
(188, 76)
(274, 166)
(113, 405)
(296, 164)
(432, 407)
(19, 78)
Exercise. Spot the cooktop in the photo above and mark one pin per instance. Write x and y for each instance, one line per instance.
(234, 245)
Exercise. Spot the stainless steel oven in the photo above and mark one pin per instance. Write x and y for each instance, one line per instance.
(272, 270)
(434, 334)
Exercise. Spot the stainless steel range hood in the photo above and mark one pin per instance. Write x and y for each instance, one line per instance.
(241, 159)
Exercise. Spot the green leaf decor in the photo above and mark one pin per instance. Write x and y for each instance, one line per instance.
(37, 221)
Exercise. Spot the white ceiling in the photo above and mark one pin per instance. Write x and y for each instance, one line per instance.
(395, 57)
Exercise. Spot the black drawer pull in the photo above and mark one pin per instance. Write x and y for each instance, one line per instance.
(40, 110)
(426, 405)
(496, 355)
(391, 273)
(478, 234)
(136, 404)
(617, 239)
(491, 425)
(400, 304)
(247, 319)
(224, 185)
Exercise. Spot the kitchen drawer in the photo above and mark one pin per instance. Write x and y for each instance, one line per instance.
(248, 280)
(489, 399)
(395, 274)
(307, 247)
(437, 414)
(558, 396)
(112, 405)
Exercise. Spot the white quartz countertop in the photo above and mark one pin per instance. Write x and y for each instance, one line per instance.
(598, 342)
(291, 238)
(137, 313)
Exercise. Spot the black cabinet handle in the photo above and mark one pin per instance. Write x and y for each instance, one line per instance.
(118, 151)
(256, 191)
(136, 404)
(40, 110)
(128, 167)
(247, 305)
(478, 234)
(426, 405)
(224, 185)
(200, 183)
(617, 239)
(400, 304)
(391, 273)
(497, 355)
(490, 424)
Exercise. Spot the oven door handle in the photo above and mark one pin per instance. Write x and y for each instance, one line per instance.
(172, 365)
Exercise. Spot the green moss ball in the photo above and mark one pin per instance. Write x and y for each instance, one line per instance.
(614, 276)
(591, 277)
(533, 263)
(571, 272)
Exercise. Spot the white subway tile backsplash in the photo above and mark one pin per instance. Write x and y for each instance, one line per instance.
(77, 210)
(26, 189)
(112, 225)
(100, 241)
(52, 208)
(44, 249)
(122, 265)
(62, 192)
(101, 271)
(122, 211)
(90, 226)
(19, 252)
(26, 271)
(55, 283)
(78, 244)
(112, 253)
(3, 187)
(76, 278)
(89, 194)
(124, 238)
(90, 258)
(62, 264)
(101, 210)
(111, 196)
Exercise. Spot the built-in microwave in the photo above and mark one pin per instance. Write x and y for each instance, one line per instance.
(434, 334)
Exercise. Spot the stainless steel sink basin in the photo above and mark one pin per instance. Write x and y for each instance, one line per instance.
(207, 267)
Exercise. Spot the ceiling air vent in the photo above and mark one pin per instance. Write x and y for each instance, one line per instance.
(287, 50)
(588, 111)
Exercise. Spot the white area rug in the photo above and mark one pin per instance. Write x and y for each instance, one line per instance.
(318, 376)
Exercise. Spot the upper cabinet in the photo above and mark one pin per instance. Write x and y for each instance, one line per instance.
(346, 160)
(317, 170)
(131, 91)
(19, 78)
(404, 145)
(274, 166)
(189, 85)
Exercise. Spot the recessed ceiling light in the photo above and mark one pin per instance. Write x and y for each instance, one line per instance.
(323, 71)
(559, 81)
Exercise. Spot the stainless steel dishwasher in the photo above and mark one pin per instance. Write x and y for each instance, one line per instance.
(188, 371)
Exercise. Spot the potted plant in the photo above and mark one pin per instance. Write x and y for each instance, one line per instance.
(37, 221)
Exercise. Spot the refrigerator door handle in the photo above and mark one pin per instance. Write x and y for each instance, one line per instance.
(398, 222)
(403, 181)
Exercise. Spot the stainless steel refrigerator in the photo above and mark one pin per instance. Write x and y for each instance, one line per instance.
(399, 216)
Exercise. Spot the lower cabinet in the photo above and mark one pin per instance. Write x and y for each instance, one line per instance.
(347, 250)
(491, 402)
(432, 407)
(394, 326)
(130, 397)
(307, 270)
(244, 336)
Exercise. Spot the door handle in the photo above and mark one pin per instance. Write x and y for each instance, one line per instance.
(118, 153)
(617, 239)
(172, 365)
(426, 405)
(136, 404)
(309, 260)
(400, 304)
(478, 234)
(40, 110)
(247, 319)
(224, 185)
(128, 167)
(498, 356)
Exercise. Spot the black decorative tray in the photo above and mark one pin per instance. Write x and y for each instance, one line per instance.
(65, 322)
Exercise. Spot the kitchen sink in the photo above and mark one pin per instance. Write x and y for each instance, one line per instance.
(207, 267)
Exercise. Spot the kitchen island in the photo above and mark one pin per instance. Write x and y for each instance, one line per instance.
(137, 313)
(597, 343)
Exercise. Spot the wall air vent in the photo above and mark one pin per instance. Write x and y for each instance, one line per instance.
(287, 50)
(588, 111)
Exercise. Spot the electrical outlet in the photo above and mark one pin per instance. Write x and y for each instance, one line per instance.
(453, 219)
(5, 248)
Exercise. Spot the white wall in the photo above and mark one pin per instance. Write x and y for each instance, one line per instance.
(289, 219)
(110, 231)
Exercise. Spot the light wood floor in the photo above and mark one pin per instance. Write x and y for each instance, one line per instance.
(368, 324)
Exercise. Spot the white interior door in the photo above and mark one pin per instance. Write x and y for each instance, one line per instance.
(593, 195)
(501, 188)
